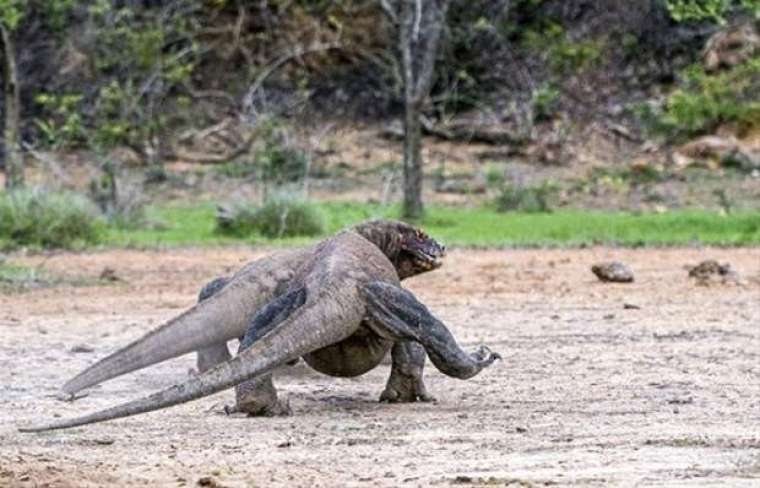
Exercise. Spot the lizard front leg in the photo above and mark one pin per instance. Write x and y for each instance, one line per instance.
(394, 313)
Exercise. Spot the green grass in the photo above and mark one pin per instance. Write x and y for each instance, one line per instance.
(195, 226)
(44, 219)
(15, 278)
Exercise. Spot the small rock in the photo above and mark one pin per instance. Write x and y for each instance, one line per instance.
(210, 482)
(82, 348)
(681, 401)
(521, 430)
(109, 274)
(631, 306)
(612, 272)
(711, 270)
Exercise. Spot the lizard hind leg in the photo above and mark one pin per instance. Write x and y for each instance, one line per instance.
(210, 356)
(258, 396)
(405, 384)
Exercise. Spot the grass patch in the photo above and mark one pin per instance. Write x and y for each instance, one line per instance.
(279, 217)
(15, 278)
(45, 219)
(186, 226)
(528, 199)
(178, 226)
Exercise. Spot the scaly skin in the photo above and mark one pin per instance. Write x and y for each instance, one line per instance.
(342, 311)
(214, 321)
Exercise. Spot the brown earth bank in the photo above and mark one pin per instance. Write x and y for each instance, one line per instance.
(592, 391)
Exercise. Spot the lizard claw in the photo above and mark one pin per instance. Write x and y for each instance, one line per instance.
(485, 356)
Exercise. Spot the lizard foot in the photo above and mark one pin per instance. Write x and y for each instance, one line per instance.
(277, 409)
(405, 389)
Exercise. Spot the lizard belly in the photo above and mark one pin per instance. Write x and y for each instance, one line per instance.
(350, 357)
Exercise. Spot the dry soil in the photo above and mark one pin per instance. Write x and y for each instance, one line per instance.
(655, 383)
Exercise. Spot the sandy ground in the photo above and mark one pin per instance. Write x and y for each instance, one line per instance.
(590, 393)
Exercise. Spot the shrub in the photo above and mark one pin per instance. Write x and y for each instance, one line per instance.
(281, 163)
(495, 175)
(533, 199)
(279, 217)
(704, 101)
(47, 219)
(545, 103)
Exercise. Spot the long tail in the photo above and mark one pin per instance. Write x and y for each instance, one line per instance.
(311, 327)
(222, 317)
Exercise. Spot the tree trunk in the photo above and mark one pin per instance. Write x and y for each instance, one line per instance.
(413, 207)
(420, 24)
(14, 164)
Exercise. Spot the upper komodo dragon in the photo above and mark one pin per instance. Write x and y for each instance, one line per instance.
(338, 305)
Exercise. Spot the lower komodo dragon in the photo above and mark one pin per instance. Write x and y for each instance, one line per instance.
(338, 305)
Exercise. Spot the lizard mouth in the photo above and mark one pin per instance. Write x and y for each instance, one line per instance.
(426, 261)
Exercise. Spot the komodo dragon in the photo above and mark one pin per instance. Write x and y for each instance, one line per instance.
(341, 310)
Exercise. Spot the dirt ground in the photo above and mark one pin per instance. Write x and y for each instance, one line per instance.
(590, 393)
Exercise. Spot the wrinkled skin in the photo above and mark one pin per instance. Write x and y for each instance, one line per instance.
(342, 310)
(418, 253)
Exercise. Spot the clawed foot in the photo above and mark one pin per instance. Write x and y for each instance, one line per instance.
(402, 388)
(278, 409)
(391, 395)
(484, 356)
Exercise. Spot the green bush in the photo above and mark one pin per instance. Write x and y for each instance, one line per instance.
(47, 219)
(704, 101)
(531, 199)
(709, 10)
(278, 217)
(564, 56)
(545, 103)
(495, 175)
(281, 163)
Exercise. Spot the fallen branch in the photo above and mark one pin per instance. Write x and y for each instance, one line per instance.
(462, 132)
(209, 158)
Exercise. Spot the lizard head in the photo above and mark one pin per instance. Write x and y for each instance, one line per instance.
(410, 249)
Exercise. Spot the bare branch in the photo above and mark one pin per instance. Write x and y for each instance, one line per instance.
(276, 64)
(389, 11)
(417, 20)
(435, 24)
